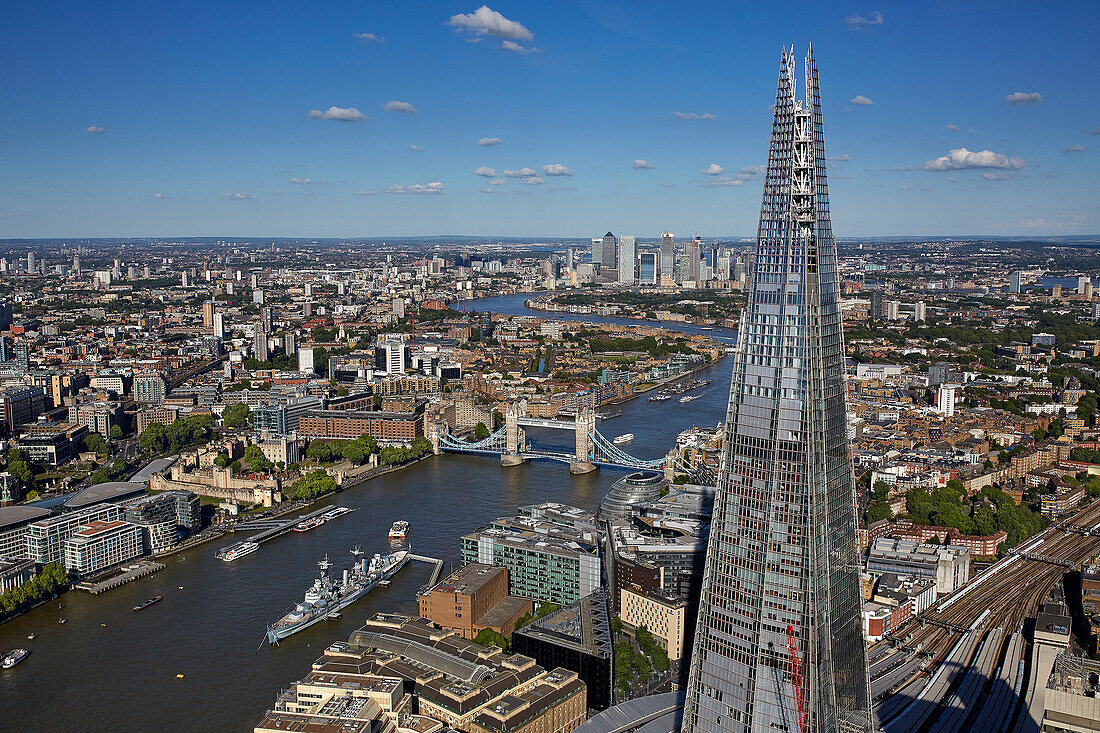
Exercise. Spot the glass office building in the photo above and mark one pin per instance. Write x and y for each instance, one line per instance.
(781, 564)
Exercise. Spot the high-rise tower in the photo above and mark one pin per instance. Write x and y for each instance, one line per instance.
(778, 644)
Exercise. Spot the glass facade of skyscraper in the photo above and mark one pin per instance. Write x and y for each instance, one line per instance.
(782, 571)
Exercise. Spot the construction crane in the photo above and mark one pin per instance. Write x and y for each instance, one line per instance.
(796, 677)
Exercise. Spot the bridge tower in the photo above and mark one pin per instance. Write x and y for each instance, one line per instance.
(513, 434)
(435, 427)
(586, 425)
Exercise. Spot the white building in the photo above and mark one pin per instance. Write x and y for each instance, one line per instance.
(101, 545)
(305, 360)
(945, 400)
(628, 259)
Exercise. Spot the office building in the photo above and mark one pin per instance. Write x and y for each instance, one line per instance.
(52, 443)
(664, 616)
(391, 356)
(782, 570)
(577, 638)
(948, 565)
(667, 263)
(13, 528)
(546, 562)
(605, 253)
(98, 417)
(628, 259)
(99, 545)
(647, 267)
(627, 494)
(1017, 282)
(385, 427)
(473, 598)
(283, 419)
(45, 538)
(305, 360)
(22, 405)
(150, 389)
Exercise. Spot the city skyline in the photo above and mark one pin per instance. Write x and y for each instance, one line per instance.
(357, 122)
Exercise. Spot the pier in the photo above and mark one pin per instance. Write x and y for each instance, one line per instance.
(430, 561)
(121, 576)
(274, 527)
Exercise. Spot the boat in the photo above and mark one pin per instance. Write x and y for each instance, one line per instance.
(30, 637)
(62, 620)
(624, 438)
(328, 596)
(145, 604)
(229, 553)
(706, 328)
(309, 524)
(399, 530)
(334, 616)
(688, 398)
(13, 658)
(335, 512)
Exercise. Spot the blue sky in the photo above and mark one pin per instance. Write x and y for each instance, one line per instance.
(240, 119)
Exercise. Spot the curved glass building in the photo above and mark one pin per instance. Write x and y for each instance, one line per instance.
(628, 492)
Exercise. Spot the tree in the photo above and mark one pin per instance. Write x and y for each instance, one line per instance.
(311, 485)
(878, 510)
(489, 637)
(237, 415)
(154, 439)
(94, 442)
(115, 432)
(481, 431)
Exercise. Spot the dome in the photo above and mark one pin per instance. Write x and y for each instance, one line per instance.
(630, 491)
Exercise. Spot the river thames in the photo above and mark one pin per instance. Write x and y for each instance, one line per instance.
(108, 668)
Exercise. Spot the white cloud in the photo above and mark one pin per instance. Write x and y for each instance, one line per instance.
(842, 158)
(723, 181)
(517, 48)
(1075, 148)
(237, 196)
(416, 148)
(93, 130)
(1040, 222)
(695, 116)
(860, 100)
(159, 196)
(487, 142)
(343, 114)
(487, 22)
(425, 188)
(963, 159)
(402, 107)
(752, 171)
(952, 128)
(533, 181)
(713, 170)
(305, 181)
(498, 182)
(486, 171)
(905, 188)
(858, 22)
(995, 176)
(1023, 97)
(521, 173)
(363, 193)
(556, 169)
(369, 37)
(643, 165)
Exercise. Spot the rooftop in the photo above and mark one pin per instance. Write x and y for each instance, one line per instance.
(105, 492)
(11, 516)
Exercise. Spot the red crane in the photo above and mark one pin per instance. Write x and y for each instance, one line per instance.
(796, 677)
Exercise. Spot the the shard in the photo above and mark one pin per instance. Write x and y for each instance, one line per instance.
(779, 646)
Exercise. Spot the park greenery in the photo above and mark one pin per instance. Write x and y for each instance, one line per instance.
(489, 637)
(992, 511)
(19, 466)
(395, 455)
(236, 416)
(257, 460)
(51, 581)
(95, 443)
(310, 486)
(356, 451)
(183, 433)
(649, 345)
(111, 472)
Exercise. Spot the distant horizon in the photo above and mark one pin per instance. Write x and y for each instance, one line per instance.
(335, 119)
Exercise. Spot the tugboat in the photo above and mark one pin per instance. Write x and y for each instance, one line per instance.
(328, 596)
(145, 604)
(399, 530)
(13, 658)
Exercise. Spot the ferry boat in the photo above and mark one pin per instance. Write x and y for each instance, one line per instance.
(308, 524)
(399, 530)
(327, 596)
(145, 604)
(688, 398)
(13, 658)
(624, 438)
(229, 553)
(660, 397)
(335, 512)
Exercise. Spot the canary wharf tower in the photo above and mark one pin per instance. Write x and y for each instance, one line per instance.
(778, 646)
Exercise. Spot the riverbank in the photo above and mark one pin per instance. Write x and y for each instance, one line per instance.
(537, 304)
(658, 385)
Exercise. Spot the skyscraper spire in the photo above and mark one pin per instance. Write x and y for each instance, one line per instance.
(778, 644)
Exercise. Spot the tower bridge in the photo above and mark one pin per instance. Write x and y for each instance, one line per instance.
(592, 449)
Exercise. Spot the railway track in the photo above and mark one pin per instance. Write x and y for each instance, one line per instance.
(989, 616)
